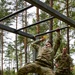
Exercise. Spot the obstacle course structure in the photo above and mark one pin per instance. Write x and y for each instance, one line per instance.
(42, 6)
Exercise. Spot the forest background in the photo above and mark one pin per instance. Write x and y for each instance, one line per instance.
(15, 50)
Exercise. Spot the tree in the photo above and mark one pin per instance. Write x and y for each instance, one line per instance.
(4, 11)
(23, 43)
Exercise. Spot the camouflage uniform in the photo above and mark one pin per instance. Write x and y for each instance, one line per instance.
(64, 63)
(43, 63)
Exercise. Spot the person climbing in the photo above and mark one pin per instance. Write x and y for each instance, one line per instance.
(43, 63)
(63, 63)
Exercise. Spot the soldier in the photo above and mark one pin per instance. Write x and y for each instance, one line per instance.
(43, 63)
(63, 63)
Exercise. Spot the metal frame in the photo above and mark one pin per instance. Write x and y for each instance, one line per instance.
(51, 11)
(16, 32)
(15, 13)
(41, 34)
(37, 23)
(43, 7)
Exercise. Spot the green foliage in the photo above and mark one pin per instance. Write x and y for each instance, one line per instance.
(20, 39)
(59, 5)
(10, 50)
(5, 10)
(73, 15)
(43, 26)
(47, 1)
(7, 71)
(73, 72)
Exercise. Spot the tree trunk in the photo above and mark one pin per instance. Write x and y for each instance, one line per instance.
(25, 38)
(16, 38)
(67, 25)
(2, 50)
(51, 26)
(68, 31)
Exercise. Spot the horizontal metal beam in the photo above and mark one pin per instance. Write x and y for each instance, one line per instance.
(16, 32)
(36, 23)
(41, 34)
(52, 12)
(8, 16)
